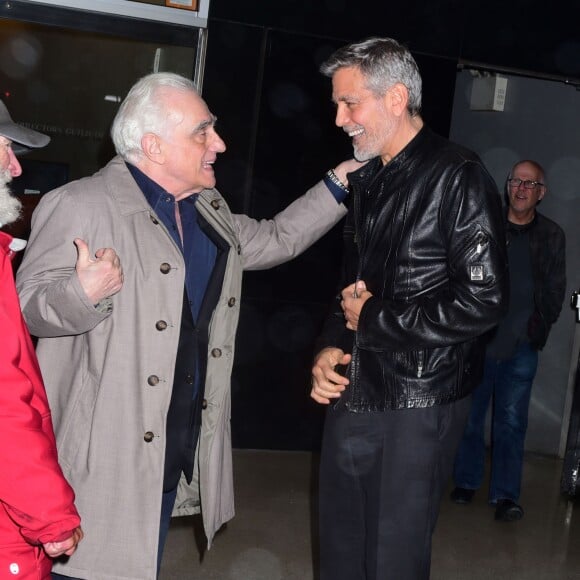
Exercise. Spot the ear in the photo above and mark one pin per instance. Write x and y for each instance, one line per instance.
(542, 193)
(398, 97)
(151, 146)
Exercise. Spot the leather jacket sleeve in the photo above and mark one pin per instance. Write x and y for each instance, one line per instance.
(548, 248)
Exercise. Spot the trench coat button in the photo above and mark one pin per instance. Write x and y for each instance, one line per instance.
(231, 302)
(153, 380)
(204, 404)
(216, 352)
(239, 249)
(165, 268)
(153, 219)
(161, 325)
(215, 204)
(148, 437)
(189, 379)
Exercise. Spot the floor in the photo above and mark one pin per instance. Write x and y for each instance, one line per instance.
(273, 536)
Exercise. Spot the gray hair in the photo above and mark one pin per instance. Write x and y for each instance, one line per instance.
(539, 169)
(143, 111)
(383, 62)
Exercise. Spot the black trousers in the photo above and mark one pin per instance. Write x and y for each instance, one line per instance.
(382, 476)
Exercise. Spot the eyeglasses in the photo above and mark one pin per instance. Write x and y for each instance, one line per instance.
(528, 183)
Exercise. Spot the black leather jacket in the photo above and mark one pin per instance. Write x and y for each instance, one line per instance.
(548, 252)
(426, 234)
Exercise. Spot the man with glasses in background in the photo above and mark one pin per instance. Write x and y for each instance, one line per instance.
(536, 255)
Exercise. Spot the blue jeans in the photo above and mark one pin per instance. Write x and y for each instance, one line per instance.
(509, 384)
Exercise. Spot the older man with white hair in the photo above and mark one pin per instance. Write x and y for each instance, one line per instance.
(137, 357)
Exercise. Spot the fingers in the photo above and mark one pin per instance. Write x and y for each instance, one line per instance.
(327, 383)
(107, 254)
(83, 253)
(66, 547)
(78, 535)
(351, 306)
(360, 287)
(345, 167)
(103, 254)
(100, 277)
(348, 292)
(323, 395)
(353, 298)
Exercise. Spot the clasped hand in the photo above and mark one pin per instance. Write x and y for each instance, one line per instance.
(353, 299)
(327, 383)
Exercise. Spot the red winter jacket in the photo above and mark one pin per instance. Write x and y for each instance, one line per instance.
(36, 502)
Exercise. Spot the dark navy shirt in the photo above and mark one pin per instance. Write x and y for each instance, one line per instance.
(199, 252)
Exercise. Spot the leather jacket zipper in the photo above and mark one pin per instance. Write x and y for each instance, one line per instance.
(362, 240)
(481, 240)
(420, 364)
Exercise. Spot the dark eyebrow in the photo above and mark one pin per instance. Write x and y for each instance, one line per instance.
(205, 124)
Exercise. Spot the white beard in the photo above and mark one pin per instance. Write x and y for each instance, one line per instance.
(10, 206)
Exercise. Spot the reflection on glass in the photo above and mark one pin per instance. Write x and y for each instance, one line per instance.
(69, 84)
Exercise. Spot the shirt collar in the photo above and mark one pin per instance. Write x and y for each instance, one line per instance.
(152, 191)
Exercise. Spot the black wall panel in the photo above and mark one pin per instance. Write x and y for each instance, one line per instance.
(529, 35)
(231, 88)
(425, 25)
(281, 142)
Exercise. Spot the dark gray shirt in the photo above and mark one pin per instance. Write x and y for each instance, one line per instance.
(513, 329)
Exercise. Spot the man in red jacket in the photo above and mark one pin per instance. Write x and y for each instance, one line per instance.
(38, 519)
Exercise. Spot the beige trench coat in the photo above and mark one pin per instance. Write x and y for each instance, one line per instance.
(96, 362)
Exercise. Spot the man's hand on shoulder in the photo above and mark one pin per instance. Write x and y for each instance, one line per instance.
(345, 167)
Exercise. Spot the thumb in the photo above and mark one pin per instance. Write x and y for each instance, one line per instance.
(83, 251)
(360, 287)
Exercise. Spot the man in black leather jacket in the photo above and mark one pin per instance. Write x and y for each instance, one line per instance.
(424, 279)
(536, 252)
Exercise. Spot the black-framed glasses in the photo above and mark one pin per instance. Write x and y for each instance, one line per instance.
(528, 183)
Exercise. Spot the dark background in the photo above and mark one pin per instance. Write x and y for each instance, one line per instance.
(262, 81)
(275, 113)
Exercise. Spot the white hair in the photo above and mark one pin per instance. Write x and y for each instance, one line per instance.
(143, 111)
(10, 206)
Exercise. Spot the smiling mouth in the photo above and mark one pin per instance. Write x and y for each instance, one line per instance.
(355, 132)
